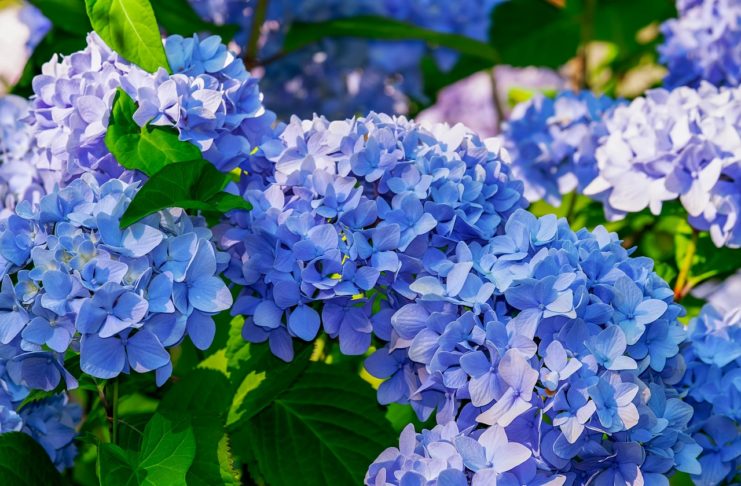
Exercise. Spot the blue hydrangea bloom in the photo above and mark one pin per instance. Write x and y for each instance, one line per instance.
(344, 214)
(119, 297)
(683, 144)
(210, 99)
(52, 422)
(552, 142)
(19, 179)
(339, 79)
(712, 384)
(550, 344)
(702, 44)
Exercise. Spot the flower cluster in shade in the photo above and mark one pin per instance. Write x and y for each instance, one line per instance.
(18, 177)
(682, 144)
(52, 421)
(550, 357)
(345, 77)
(552, 142)
(712, 385)
(702, 44)
(211, 100)
(342, 219)
(471, 101)
(74, 281)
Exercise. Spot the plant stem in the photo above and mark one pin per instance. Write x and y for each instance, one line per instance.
(253, 43)
(587, 33)
(684, 272)
(570, 205)
(495, 99)
(113, 409)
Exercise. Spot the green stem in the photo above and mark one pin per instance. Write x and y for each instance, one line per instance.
(587, 33)
(113, 387)
(495, 99)
(570, 206)
(680, 288)
(253, 43)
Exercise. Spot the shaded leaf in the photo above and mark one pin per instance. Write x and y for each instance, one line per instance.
(194, 184)
(204, 395)
(167, 451)
(67, 15)
(24, 462)
(329, 425)
(257, 376)
(372, 27)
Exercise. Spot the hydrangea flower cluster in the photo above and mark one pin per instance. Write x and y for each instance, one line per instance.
(553, 141)
(18, 177)
(211, 100)
(548, 355)
(344, 217)
(712, 384)
(119, 297)
(702, 44)
(684, 144)
(340, 79)
(52, 422)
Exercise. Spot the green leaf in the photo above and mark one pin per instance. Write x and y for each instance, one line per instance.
(708, 260)
(178, 17)
(329, 425)
(129, 27)
(257, 376)
(302, 34)
(194, 184)
(67, 15)
(204, 395)
(148, 148)
(534, 33)
(24, 462)
(167, 452)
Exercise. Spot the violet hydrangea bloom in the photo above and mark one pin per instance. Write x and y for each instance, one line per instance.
(712, 383)
(702, 44)
(119, 297)
(211, 100)
(344, 214)
(683, 144)
(18, 177)
(552, 142)
(52, 422)
(341, 78)
(555, 342)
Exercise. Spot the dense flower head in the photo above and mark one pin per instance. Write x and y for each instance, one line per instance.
(545, 341)
(552, 142)
(118, 296)
(712, 384)
(683, 144)
(18, 177)
(341, 78)
(52, 421)
(702, 44)
(211, 100)
(344, 215)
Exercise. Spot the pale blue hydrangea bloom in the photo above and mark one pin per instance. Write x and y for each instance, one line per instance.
(683, 144)
(702, 44)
